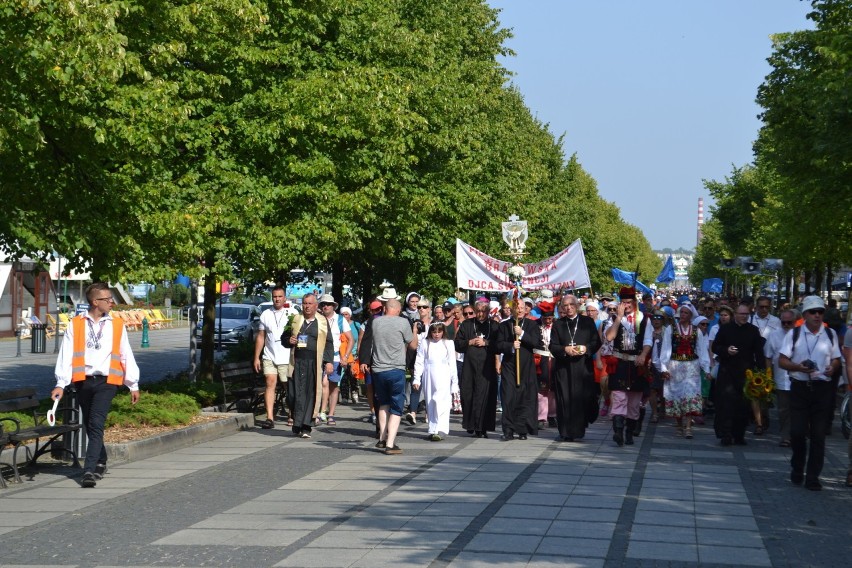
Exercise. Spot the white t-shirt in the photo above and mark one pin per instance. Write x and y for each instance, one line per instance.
(771, 350)
(817, 347)
(335, 333)
(273, 322)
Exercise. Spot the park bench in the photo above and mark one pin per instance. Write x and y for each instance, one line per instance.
(25, 400)
(242, 385)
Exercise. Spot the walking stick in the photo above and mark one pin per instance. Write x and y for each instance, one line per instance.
(518, 357)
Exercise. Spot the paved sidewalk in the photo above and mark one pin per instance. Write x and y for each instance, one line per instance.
(264, 498)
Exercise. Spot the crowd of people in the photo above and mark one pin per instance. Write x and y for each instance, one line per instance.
(561, 362)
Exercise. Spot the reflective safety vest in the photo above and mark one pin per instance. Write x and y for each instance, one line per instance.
(78, 357)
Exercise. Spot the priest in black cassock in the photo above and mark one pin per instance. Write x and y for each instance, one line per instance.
(739, 347)
(519, 336)
(476, 338)
(574, 340)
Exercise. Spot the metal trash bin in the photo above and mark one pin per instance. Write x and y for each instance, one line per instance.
(38, 337)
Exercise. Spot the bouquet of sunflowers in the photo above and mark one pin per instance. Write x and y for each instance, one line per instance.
(758, 384)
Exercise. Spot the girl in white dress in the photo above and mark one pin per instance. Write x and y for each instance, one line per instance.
(435, 372)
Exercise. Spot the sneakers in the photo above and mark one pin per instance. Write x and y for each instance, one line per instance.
(354, 398)
(304, 435)
(393, 451)
(323, 417)
(411, 418)
(100, 471)
(372, 419)
(88, 479)
(435, 438)
(813, 484)
(381, 444)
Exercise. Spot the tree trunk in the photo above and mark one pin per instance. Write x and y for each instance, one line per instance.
(338, 271)
(205, 370)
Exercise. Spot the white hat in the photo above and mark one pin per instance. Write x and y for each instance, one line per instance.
(812, 303)
(545, 294)
(529, 301)
(699, 320)
(346, 310)
(388, 294)
(327, 299)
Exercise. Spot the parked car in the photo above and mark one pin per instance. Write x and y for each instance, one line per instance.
(236, 321)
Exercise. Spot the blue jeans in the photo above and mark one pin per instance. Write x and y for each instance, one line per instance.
(389, 389)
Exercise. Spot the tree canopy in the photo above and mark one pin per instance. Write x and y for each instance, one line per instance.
(239, 139)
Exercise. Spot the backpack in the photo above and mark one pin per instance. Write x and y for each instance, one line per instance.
(798, 330)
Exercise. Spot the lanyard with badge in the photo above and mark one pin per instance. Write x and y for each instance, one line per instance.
(94, 341)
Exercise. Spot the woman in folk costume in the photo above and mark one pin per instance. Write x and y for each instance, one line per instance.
(680, 368)
(436, 376)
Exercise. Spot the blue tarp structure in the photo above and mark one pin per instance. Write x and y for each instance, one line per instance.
(628, 278)
(667, 274)
(712, 285)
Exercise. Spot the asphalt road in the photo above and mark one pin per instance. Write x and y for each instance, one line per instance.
(168, 354)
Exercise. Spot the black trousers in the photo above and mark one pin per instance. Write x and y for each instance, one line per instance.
(810, 405)
(95, 397)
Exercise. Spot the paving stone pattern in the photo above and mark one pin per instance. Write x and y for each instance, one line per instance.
(265, 498)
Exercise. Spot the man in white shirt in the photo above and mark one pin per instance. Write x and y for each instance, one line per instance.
(96, 356)
(340, 329)
(271, 357)
(772, 350)
(765, 322)
(811, 355)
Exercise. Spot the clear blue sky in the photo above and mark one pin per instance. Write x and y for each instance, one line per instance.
(653, 96)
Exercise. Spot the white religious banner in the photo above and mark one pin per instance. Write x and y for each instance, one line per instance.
(475, 270)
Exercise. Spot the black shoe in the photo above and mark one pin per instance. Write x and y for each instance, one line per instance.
(542, 424)
(484, 434)
(740, 442)
(813, 484)
(100, 471)
(522, 437)
(471, 432)
(796, 477)
(551, 422)
(727, 441)
(381, 444)
(505, 438)
(267, 424)
(395, 450)
(88, 479)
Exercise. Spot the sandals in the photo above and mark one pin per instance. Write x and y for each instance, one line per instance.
(267, 424)
(758, 430)
(290, 422)
(330, 421)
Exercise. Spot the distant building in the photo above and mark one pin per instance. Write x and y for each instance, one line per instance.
(682, 260)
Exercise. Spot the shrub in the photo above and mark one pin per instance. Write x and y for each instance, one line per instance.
(166, 409)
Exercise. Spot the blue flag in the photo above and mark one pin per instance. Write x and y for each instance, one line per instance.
(712, 285)
(667, 274)
(627, 278)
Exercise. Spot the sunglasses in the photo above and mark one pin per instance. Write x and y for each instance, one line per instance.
(787, 322)
(467, 313)
(422, 307)
(656, 317)
(817, 311)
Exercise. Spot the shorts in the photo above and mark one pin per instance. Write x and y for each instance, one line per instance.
(335, 377)
(389, 389)
(270, 368)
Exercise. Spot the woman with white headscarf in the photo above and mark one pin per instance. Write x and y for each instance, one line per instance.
(680, 367)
